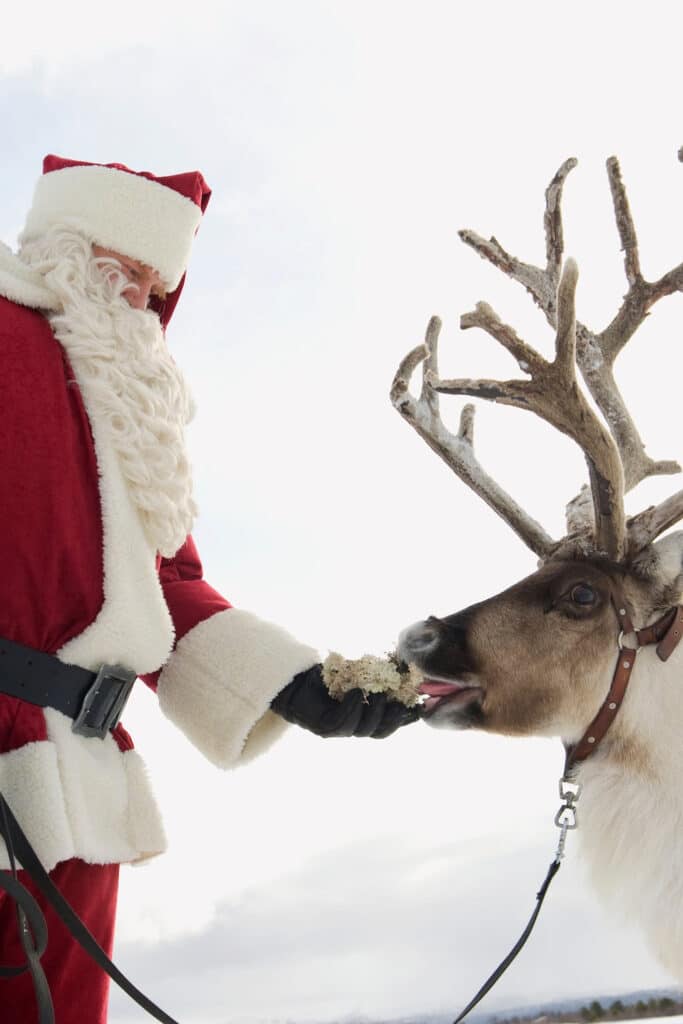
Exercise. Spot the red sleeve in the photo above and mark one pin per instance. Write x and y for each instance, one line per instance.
(225, 669)
(189, 597)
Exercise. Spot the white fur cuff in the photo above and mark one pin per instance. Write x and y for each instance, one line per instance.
(219, 682)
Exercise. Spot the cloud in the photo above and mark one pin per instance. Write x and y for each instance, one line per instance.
(382, 930)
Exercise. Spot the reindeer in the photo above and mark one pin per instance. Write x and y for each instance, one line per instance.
(558, 654)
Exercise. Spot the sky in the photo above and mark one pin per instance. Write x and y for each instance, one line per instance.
(346, 143)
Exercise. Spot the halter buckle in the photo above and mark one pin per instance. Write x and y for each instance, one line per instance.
(625, 647)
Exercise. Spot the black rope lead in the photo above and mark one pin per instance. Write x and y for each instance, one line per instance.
(566, 821)
(20, 847)
(32, 928)
(503, 966)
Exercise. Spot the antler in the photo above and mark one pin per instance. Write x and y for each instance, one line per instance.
(597, 352)
(457, 450)
(552, 392)
(646, 526)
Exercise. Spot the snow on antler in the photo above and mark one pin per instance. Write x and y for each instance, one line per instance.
(457, 450)
(596, 352)
(617, 460)
(552, 392)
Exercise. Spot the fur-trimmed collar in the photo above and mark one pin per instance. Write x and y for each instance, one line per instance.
(19, 283)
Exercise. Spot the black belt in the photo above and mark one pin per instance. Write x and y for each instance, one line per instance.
(95, 700)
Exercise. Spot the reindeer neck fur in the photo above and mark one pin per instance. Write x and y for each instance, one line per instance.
(631, 807)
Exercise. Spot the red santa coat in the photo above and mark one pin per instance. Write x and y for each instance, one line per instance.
(78, 579)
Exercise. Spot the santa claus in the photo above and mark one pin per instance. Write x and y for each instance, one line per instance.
(101, 582)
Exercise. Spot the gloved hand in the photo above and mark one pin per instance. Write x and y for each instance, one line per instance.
(306, 702)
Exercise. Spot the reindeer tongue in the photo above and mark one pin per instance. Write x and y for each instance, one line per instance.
(434, 689)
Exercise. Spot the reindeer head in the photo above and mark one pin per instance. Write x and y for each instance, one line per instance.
(538, 657)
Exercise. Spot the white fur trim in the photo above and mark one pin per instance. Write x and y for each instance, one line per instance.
(125, 212)
(80, 797)
(267, 731)
(218, 684)
(20, 284)
(134, 626)
(631, 808)
(77, 797)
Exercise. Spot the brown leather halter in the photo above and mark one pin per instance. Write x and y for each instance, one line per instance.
(666, 632)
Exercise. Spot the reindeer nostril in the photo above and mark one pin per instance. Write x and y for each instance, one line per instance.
(418, 639)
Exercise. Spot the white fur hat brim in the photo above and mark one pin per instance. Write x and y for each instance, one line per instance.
(126, 212)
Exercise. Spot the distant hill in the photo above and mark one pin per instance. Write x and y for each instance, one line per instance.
(597, 1010)
(629, 1006)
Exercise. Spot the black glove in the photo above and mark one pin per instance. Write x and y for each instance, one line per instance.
(306, 702)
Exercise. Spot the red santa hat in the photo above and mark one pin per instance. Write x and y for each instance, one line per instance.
(142, 216)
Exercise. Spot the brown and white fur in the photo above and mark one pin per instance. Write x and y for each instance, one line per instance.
(538, 659)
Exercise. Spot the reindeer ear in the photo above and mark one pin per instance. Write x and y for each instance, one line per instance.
(663, 562)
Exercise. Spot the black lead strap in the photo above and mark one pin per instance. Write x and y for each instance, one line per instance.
(565, 819)
(34, 932)
(503, 966)
(33, 929)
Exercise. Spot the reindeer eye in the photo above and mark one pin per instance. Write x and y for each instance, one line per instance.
(583, 594)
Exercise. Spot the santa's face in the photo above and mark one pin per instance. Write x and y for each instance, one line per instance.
(145, 282)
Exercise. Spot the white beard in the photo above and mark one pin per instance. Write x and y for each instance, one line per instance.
(128, 380)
